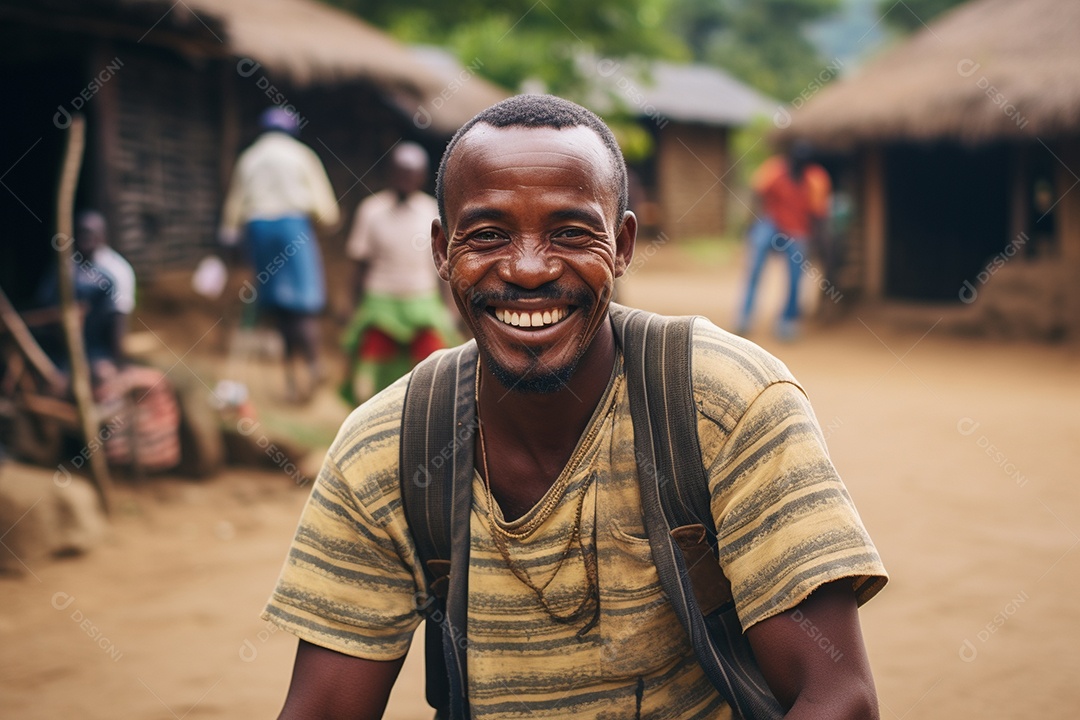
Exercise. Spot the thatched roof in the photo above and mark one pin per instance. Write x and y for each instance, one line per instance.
(308, 42)
(990, 69)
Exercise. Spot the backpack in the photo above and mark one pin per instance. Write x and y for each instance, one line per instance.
(436, 472)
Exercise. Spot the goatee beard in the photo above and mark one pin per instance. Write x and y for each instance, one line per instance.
(531, 381)
(536, 379)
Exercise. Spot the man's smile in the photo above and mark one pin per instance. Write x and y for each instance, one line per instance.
(538, 318)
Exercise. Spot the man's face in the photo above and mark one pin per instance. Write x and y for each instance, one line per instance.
(532, 247)
(89, 234)
(407, 180)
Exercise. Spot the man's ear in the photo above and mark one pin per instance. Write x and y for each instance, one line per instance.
(439, 244)
(624, 243)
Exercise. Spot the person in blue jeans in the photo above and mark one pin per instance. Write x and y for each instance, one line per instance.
(792, 201)
(279, 186)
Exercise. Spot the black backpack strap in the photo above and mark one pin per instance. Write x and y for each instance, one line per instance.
(436, 471)
(676, 504)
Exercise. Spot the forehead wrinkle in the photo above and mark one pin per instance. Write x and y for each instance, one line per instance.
(559, 153)
(515, 168)
(485, 148)
(577, 162)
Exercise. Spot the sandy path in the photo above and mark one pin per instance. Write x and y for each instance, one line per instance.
(960, 454)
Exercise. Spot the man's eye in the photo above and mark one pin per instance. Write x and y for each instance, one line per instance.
(486, 236)
(572, 233)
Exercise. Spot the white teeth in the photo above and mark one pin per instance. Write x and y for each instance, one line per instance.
(533, 319)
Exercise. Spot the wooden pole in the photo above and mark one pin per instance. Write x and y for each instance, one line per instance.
(25, 340)
(72, 322)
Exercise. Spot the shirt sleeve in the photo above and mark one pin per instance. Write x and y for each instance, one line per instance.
(785, 520)
(125, 290)
(123, 277)
(358, 246)
(345, 585)
(324, 203)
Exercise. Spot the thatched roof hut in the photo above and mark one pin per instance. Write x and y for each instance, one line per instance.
(987, 70)
(171, 91)
(960, 149)
(306, 43)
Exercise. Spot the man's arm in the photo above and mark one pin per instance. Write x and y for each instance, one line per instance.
(328, 685)
(814, 660)
(324, 203)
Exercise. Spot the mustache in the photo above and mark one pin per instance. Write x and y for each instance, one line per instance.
(480, 299)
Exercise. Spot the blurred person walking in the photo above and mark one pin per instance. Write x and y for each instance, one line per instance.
(278, 186)
(791, 205)
(400, 317)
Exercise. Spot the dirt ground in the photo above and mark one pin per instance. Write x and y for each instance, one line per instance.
(960, 453)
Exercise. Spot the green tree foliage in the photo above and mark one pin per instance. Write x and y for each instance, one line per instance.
(549, 43)
(762, 42)
(911, 15)
(530, 40)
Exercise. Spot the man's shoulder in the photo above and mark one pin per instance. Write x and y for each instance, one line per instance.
(426, 203)
(376, 201)
(729, 372)
(769, 172)
(278, 146)
(113, 262)
(366, 448)
(121, 274)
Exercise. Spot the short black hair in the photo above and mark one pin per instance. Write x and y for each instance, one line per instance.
(539, 111)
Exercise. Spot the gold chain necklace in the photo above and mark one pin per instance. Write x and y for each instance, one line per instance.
(500, 534)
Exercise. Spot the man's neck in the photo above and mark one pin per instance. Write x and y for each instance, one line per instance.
(527, 439)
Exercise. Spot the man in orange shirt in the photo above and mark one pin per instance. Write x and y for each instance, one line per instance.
(793, 196)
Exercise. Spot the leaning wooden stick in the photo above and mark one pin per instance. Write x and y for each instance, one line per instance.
(80, 369)
(25, 340)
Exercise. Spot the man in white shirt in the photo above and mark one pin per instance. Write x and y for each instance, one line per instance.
(278, 186)
(400, 317)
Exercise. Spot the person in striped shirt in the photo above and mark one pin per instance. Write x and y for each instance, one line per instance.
(566, 614)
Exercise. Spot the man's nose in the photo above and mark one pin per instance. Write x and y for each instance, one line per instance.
(530, 266)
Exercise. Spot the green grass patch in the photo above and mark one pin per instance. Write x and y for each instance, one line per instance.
(306, 432)
(714, 251)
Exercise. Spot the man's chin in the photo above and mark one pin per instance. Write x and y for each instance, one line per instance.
(534, 380)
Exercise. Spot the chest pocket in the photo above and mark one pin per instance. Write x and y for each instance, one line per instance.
(639, 632)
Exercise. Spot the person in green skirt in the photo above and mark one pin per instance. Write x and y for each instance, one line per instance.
(400, 315)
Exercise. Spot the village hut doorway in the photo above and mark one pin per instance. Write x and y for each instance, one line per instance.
(948, 212)
(45, 80)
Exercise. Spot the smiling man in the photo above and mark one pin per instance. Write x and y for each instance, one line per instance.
(566, 614)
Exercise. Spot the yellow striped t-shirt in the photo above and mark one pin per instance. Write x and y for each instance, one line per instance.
(787, 525)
